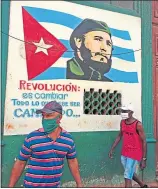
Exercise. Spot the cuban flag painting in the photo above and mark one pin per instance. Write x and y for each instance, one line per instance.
(47, 35)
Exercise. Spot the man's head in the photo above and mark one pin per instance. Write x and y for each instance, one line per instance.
(51, 116)
(127, 111)
(91, 40)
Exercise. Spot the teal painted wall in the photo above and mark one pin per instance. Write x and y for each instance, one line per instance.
(93, 147)
(96, 168)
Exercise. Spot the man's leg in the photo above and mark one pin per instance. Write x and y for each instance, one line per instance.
(141, 183)
(136, 179)
(129, 172)
(128, 182)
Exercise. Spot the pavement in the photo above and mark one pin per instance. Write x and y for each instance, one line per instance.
(153, 184)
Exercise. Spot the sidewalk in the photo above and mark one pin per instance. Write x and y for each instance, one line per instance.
(153, 184)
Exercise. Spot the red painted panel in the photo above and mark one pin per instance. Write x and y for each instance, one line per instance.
(155, 11)
(155, 72)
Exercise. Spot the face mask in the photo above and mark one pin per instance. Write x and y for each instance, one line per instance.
(49, 125)
(124, 115)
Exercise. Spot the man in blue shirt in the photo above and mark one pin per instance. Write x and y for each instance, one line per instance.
(45, 150)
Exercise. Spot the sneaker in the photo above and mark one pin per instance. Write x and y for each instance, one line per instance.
(145, 186)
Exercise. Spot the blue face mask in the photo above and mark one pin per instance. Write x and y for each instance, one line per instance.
(49, 125)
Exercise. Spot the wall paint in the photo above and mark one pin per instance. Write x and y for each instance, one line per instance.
(95, 166)
(43, 81)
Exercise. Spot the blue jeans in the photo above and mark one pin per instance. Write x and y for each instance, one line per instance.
(129, 166)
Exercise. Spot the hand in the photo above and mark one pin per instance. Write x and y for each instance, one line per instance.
(111, 154)
(79, 185)
(142, 164)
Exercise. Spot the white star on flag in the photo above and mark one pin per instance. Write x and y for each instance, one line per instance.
(42, 46)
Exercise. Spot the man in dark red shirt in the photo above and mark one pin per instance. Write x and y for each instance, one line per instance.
(133, 147)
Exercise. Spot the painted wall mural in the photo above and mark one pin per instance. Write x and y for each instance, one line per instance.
(87, 59)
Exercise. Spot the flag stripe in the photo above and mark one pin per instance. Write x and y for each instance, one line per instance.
(123, 53)
(123, 65)
(52, 16)
(116, 63)
(52, 73)
(71, 21)
(118, 52)
(121, 76)
(120, 33)
(55, 28)
(115, 75)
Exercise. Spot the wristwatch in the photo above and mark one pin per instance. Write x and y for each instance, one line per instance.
(144, 159)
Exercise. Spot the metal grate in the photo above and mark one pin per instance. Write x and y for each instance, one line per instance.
(102, 103)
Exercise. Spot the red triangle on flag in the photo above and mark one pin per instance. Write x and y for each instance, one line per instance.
(39, 59)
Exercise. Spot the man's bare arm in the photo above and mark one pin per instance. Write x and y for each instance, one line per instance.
(141, 133)
(16, 172)
(74, 168)
(117, 140)
(143, 138)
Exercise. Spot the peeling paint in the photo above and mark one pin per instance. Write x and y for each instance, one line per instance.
(109, 124)
(9, 126)
(23, 125)
(22, 51)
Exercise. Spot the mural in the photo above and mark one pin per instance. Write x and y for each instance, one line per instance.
(85, 58)
(88, 47)
(92, 45)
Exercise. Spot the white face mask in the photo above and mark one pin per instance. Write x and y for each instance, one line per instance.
(124, 115)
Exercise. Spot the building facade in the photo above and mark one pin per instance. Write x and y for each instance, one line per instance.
(91, 96)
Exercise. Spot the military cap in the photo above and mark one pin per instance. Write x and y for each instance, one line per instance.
(86, 26)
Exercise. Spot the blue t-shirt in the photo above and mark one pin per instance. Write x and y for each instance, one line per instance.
(46, 158)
